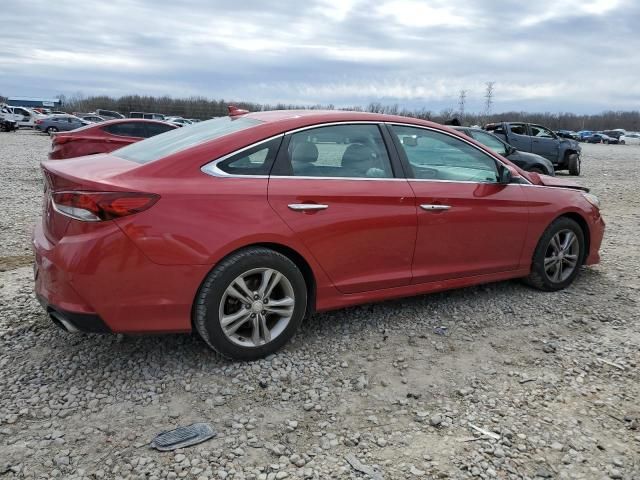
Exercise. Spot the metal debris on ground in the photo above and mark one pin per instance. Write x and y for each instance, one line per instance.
(360, 467)
(440, 330)
(183, 437)
(485, 432)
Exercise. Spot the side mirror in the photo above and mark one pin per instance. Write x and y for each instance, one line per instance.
(504, 175)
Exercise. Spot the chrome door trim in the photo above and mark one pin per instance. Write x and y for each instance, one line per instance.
(301, 207)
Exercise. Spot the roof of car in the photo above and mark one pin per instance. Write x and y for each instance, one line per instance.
(301, 118)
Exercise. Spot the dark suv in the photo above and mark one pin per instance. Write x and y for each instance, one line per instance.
(563, 153)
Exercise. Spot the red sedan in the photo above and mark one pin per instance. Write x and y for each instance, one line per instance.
(239, 226)
(104, 137)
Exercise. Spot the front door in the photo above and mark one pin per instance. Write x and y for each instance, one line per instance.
(518, 137)
(468, 223)
(335, 187)
(544, 142)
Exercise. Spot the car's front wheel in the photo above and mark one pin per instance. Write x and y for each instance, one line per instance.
(558, 256)
(573, 163)
(251, 304)
(51, 130)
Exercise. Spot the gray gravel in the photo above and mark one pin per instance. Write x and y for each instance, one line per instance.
(550, 378)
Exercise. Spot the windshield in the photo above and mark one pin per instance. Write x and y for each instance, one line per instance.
(168, 143)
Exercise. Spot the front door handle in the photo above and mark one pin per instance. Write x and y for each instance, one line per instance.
(301, 207)
(435, 207)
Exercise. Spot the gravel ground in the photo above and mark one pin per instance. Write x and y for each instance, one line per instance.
(552, 377)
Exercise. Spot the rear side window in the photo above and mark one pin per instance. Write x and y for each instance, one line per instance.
(256, 160)
(160, 146)
(153, 129)
(126, 129)
(347, 151)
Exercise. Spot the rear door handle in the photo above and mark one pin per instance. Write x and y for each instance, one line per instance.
(435, 207)
(301, 207)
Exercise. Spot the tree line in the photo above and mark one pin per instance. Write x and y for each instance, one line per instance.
(204, 108)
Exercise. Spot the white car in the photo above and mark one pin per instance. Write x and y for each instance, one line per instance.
(631, 138)
(23, 116)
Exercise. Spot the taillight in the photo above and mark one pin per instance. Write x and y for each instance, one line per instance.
(101, 206)
(38, 122)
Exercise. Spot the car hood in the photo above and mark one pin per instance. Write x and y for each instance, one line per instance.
(547, 181)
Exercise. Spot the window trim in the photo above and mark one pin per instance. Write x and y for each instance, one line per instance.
(407, 165)
(210, 168)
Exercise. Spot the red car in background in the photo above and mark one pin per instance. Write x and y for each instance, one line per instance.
(104, 137)
(239, 226)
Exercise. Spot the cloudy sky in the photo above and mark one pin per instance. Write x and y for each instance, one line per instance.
(544, 55)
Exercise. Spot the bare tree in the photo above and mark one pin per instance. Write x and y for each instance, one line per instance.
(461, 102)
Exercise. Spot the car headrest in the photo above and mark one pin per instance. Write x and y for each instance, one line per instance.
(305, 152)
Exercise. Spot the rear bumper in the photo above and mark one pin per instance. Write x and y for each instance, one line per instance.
(72, 321)
(97, 280)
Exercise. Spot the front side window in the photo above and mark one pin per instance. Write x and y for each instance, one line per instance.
(341, 151)
(538, 131)
(161, 146)
(490, 141)
(256, 160)
(437, 156)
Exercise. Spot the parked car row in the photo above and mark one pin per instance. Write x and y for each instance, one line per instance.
(613, 137)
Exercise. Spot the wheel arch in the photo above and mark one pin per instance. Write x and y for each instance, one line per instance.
(290, 253)
(584, 226)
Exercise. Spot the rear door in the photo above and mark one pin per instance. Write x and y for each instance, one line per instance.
(544, 142)
(337, 188)
(519, 136)
(468, 223)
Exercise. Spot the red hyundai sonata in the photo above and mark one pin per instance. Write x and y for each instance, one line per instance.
(104, 137)
(239, 226)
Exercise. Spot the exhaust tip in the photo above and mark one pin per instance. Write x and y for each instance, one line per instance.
(62, 322)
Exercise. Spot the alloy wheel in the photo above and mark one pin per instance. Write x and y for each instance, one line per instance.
(562, 256)
(256, 307)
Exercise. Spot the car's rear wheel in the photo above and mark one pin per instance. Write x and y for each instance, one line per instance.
(573, 162)
(558, 256)
(251, 304)
(51, 130)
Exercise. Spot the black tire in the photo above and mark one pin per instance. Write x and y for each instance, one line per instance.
(51, 130)
(621, 142)
(211, 294)
(539, 277)
(573, 163)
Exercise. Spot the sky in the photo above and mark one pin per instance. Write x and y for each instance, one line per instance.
(579, 56)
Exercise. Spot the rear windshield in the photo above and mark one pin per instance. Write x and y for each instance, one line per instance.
(168, 143)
